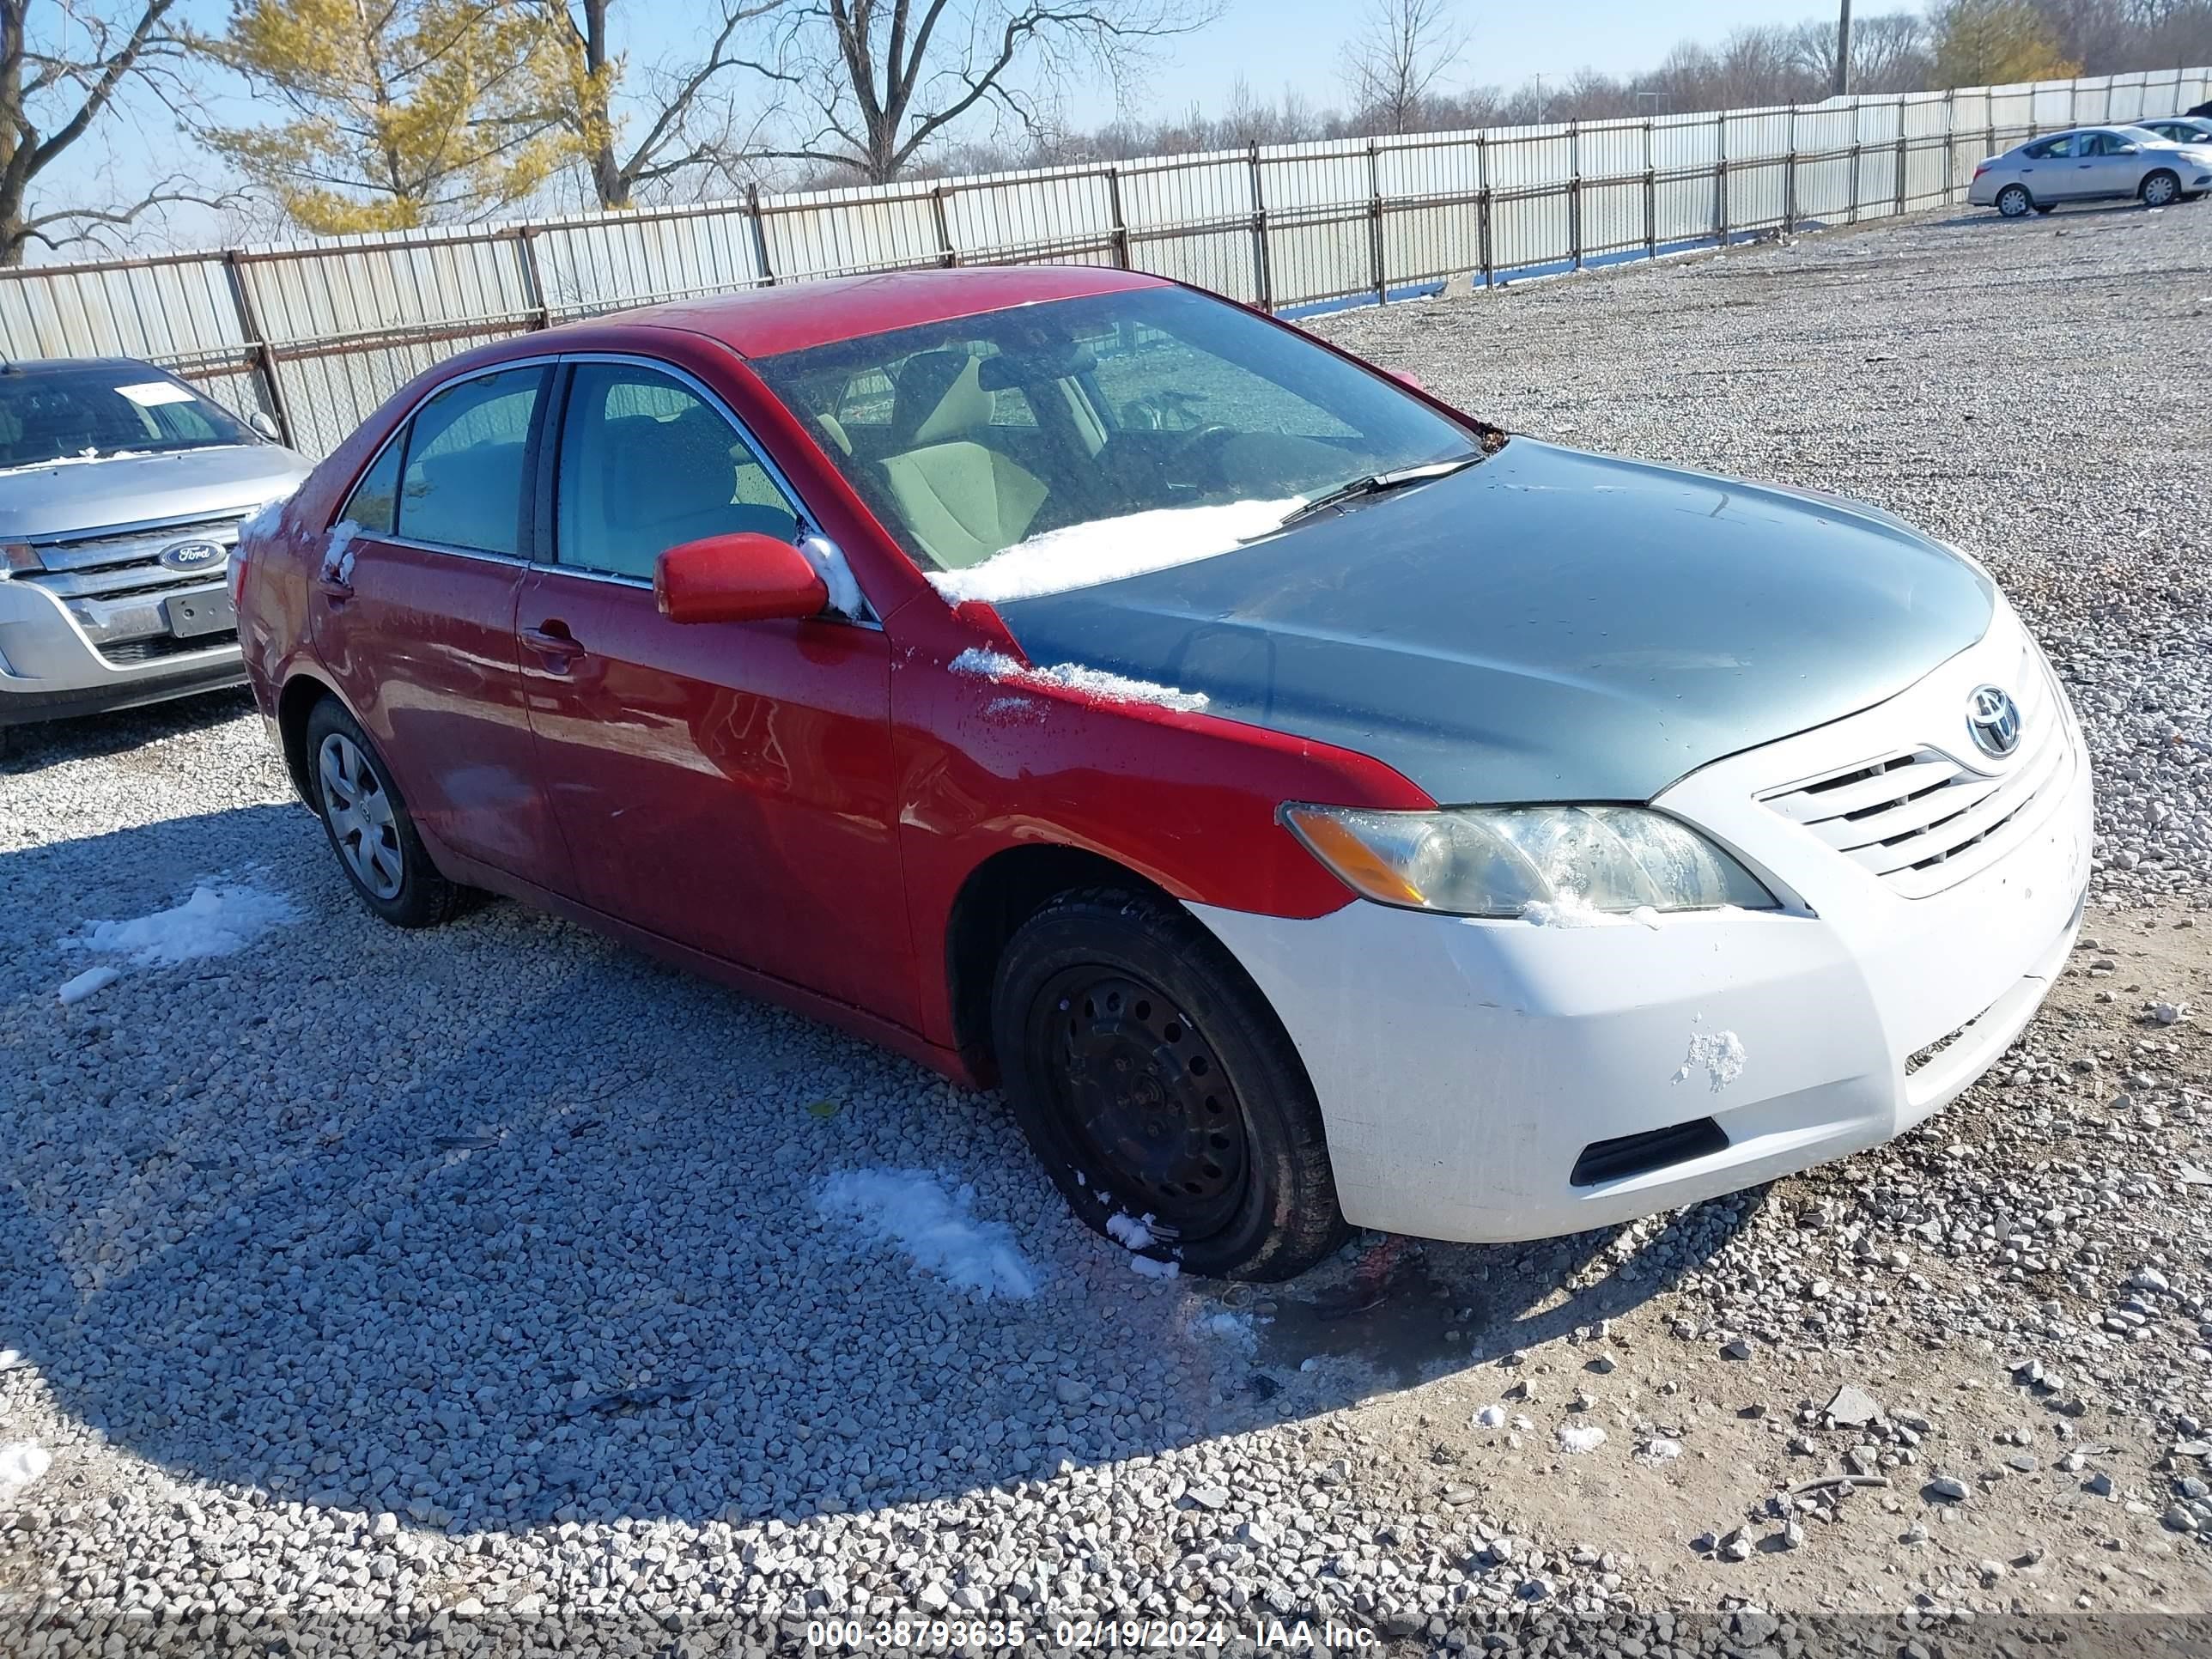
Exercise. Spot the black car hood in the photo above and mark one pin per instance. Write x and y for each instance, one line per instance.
(1546, 625)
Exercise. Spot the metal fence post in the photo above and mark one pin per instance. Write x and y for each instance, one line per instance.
(943, 228)
(1121, 224)
(1482, 208)
(258, 348)
(1260, 230)
(760, 236)
(1375, 222)
(1950, 145)
(1720, 180)
(1790, 177)
(1856, 143)
(1575, 193)
(1650, 197)
(2074, 103)
(533, 286)
(1900, 152)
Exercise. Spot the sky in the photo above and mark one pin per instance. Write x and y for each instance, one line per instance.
(1275, 45)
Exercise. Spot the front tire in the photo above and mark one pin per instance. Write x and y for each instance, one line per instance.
(366, 819)
(2160, 189)
(1152, 1080)
(2014, 201)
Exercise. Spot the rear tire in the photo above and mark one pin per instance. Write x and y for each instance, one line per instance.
(2014, 201)
(1151, 1080)
(367, 820)
(2160, 189)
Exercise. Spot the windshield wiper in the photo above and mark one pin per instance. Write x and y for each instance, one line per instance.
(1378, 483)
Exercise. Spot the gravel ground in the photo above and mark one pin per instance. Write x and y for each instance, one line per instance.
(472, 1288)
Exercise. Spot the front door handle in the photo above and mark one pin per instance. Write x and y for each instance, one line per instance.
(552, 642)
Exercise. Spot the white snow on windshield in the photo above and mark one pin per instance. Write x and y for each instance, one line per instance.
(1107, 550)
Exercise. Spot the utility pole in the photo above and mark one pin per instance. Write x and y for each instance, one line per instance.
(1842, 81)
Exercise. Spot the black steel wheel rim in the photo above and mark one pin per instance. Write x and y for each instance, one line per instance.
(1152, 1114)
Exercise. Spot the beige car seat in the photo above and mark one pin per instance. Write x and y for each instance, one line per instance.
(963, 499)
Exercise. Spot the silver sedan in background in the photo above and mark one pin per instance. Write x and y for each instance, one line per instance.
(2089, 164)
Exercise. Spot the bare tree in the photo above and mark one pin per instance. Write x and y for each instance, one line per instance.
(64, 68)
(1399, 58)
(690, 119)
(1889, 52)
(884, 78)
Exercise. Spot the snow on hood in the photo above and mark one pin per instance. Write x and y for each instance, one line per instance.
(1107, 550)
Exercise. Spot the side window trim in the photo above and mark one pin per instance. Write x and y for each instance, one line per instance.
(545, 546)
(402, 436)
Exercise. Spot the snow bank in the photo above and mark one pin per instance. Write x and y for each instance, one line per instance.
(1107, 550)
(91, 980)
(213, 921)
(908, 1208)
(1071, 677)
(1719, 1054)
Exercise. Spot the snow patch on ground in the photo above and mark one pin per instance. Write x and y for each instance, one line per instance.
(1580, 1438)
(1129, 1232)
(21, 1463)
(1073, 676)
(908, 1208)
(1660, 1450)
(91, 980)
(215, 921)
(1145, 1266)
(1107, 549)
(1233, 1326)
(1490, 1417)
(1719, 1054)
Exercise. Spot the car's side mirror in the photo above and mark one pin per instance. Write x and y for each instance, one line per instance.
(263, 427)
(744, 576)
(1407, 377)
(2130, 150)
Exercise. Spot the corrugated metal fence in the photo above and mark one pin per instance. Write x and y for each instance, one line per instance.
(317, 334)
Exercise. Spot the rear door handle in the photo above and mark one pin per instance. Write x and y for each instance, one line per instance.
(552, 641)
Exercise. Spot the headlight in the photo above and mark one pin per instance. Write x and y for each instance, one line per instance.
(1500, 860)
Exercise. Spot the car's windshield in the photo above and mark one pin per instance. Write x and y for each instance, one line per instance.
(88, 411)
(2142, 135)
(1051, 446)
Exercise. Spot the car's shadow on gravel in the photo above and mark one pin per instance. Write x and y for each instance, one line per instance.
(33, 748)
(499, 1226)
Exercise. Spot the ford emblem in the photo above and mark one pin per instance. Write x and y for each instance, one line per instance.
(192, 555)
(1994, 719)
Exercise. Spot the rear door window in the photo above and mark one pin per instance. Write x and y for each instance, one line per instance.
(467, 455)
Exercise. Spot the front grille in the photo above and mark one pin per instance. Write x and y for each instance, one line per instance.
(123, 653)
(113, 584)
(1924, 821)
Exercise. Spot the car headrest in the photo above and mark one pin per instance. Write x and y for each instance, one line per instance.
(938, 396)
(659, 471)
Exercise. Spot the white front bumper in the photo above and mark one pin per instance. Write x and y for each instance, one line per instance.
(1464, 1066)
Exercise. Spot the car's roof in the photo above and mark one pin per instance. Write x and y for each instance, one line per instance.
(34, 365)
(762, 322)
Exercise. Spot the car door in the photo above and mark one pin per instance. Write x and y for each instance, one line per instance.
(413, 615)
(2108, 165)
(2049, 169)
(726, 786)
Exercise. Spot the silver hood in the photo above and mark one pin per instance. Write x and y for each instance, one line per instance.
(61, 498)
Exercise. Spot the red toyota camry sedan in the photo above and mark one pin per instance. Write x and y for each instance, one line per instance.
(1311, 805)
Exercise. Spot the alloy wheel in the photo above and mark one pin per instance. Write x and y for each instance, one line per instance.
(360, 817)
(1152, 1110)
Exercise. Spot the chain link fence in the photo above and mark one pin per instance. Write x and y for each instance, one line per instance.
(317, 334)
